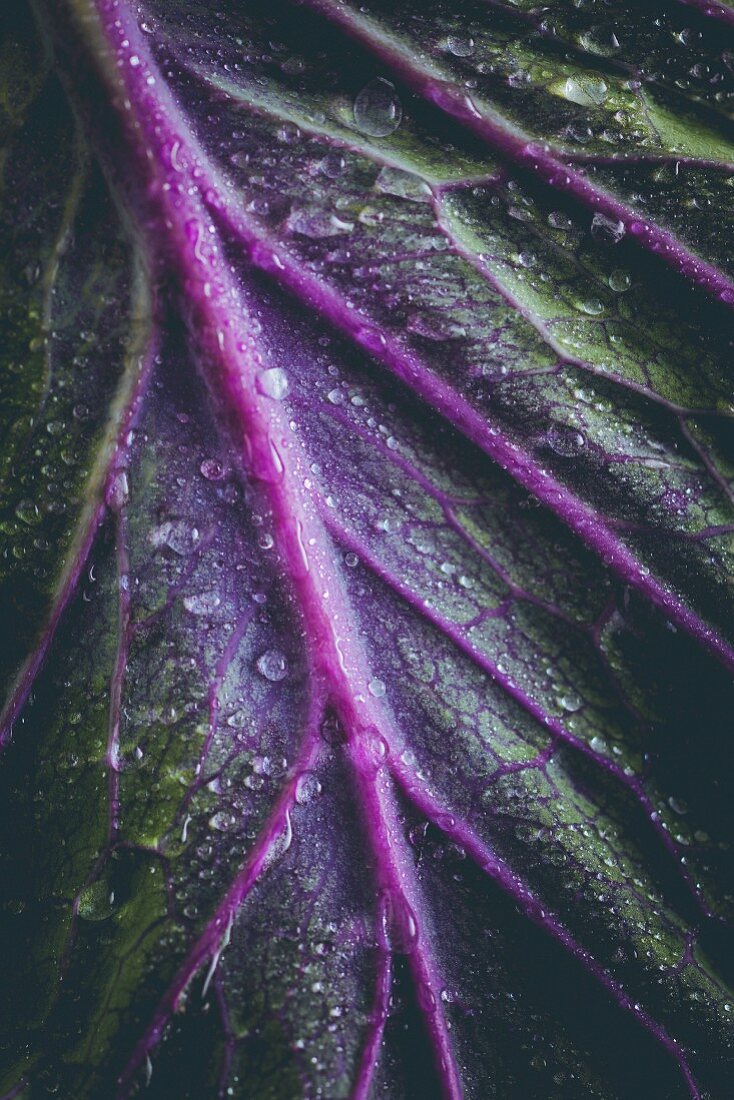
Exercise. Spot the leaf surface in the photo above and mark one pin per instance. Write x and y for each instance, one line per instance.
(367, 496)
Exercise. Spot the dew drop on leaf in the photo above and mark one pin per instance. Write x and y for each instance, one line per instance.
(586, 91)
(377, 109)
(211, 469)
(96, 901)
(607, 230)
(565, 440)
(460, 45)
(308, 788)
(273, 383)
(273, 665)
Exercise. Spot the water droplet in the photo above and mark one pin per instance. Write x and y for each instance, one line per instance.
(221, 821)
(397, 926)
(377, 109)
(558, 220)
(587, 91)
(211, 469)
(620, 281)
(289, 133)
(308, 788)
(600, 40)
(565, 440)
(376, 688)
(273, 383)
(332, 730)
(273, 665)
(460, 45)
(118, 491)
(570, 702)
(27, 512)
(591, 306)
(393, 181)
(677, 805)
(607, 230)
(333, 165)
(315, 223)
(96, 901)
(281, 843)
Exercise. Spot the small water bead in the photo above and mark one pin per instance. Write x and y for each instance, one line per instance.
(289, 133)
(332, 730)
(211, 469)
(620, 281)
(118, 491)
(570, 702)
(273, 383)
(333, 165)
(586, 92)
(377, 688)
(377, 109)
(591, 306)
(565, 440)
(316, 223)
(460, 45)
(404, 185)
(308, 788)
(397, 924)
(281, 843)
(96, 902)
(600, 40)
(27, 512)
(558, 220)
(677, 805)
(351, 560)
(607, 230)
(273, 665)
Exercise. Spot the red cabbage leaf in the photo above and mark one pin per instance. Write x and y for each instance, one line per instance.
(366, 575)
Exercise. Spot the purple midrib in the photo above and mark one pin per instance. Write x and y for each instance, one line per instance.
(230, 357)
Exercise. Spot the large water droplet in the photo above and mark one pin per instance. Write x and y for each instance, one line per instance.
(377, 109)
